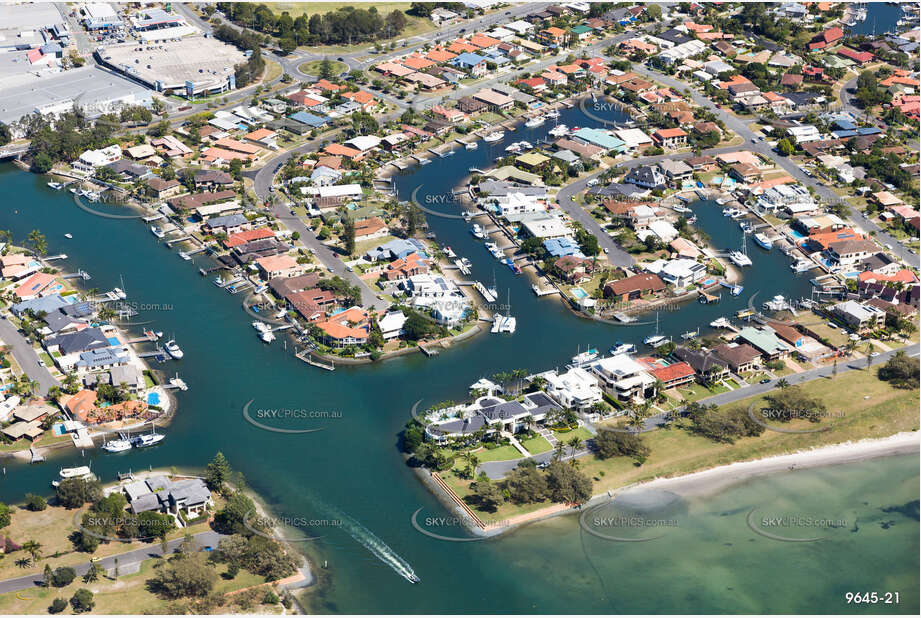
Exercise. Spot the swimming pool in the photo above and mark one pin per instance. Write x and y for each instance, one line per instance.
(113, 340)
(153, 399)
(797, 234)
(579, 293)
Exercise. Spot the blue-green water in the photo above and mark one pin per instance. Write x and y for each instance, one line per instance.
(353, 471)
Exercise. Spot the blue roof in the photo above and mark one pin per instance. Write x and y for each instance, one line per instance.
(868, 130)
(843, 134)
(559, 247)
(467, 59)
(845, 124)
(309, 119)
(599, 138)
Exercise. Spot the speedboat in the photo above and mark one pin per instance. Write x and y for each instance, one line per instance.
(54, 185)
(495, 136)
(514, 148)
(156, 231)
(525, 145)
(267, 336)
(763, 241)
(559, 130)
(472, 146)
(553, 114)
(535, 122)
(261, 326)
(68, 235)
(173, 349)
(653, 340)
(739, 259)
(117, 446)
(477, 231)
(680, 208)
(801, 266)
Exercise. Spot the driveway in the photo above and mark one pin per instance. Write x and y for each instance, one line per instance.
(26, 357)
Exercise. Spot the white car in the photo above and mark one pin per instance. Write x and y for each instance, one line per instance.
(607, 250)
(592, 182)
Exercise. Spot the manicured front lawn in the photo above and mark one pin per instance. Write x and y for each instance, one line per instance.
(501, 453)
(580, 432)
(314, 67)
(538, 444)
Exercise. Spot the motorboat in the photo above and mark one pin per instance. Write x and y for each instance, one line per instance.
(495, 136)
(472, 146)
(147, 439)
(68, 235)
(778, 303)
(267, 336)
(477, 231)
(552, 114)
(157, 231)
(654, 340)
(514, 147)
(622, 348)
(525, 145)
(55, 185)
(93, 196)
(118, 445)
(535, 122)
(680, 208)
(801, 266)
(763, 241)
(80, 472)
(260, 326)
(559, 131)
(173, 349)
(739, 259)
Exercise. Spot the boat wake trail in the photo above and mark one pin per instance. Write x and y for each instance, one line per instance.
(376, 546)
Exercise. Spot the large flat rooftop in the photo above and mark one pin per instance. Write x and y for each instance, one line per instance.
(28, 16)
(88, 86)
(204, 61)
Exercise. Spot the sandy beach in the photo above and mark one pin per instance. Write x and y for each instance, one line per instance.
(716, 479)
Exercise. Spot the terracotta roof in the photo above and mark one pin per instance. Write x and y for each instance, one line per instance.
(673, 372)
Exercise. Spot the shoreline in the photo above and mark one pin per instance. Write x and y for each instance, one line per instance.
(712, 480)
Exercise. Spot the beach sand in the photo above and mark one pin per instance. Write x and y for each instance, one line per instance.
(716, 479)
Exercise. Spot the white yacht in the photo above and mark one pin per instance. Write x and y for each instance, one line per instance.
(148, 439)
(622, 348)
(80, 472)
(535, 122)
(495, 136)
(157, 231)
(477, 231)
(173, 349)
(118, 445)
(514, 148)
(763, 241)
(267, 336)
(554, 114)
(739, 259)
(472, 146)
(801, 266)
(584, 358)
(559, 131)
(504, 324)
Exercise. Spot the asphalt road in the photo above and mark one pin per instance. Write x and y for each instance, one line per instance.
(499, 469)
(26, 357)
(202, 539)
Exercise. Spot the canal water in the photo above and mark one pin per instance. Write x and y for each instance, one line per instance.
(881, 17)
(351, 473)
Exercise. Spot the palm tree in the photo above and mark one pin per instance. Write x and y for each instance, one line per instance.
(782, 383)
(33, 548)
(870, 350)
(834, 368)
(38, 242)
(558, 451)
(575, 443)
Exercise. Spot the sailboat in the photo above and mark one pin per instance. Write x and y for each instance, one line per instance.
(656, 337)
(505, 323)
(118, 445)
(147, 439)
(493, 290)
(740, 258)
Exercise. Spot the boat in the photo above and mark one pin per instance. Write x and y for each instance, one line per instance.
(158, 334)
(763, 241)
(559, 131)
(147, 439)
(655, 339)
(514, 147)
(55, 185)
(80, 472)
(680, 208)
(622, 348)
(173, 349)
(157, 231)
(721, 322)
(739, 259)
(552, 114)
(267, 336)
(68, 235)
(73, 190)
(493, 291)
(495, 136)
(778, 303)
(525, 145)
(504, 324)
(261, 327)
(584, 358)
(472, 146)
(535, 122)
(801, 266)
(689, 334)
(118, 445)
(720, 200)
(477, 231)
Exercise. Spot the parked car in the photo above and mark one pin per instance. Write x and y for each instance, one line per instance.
(764, 381)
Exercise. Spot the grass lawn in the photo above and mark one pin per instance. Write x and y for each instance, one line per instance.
(128, 594)
(868, 408)
(313, 67)
(502, 453)
(580, 432)
(273, 70)
(695, 392)
(536, 445)
(296, 9)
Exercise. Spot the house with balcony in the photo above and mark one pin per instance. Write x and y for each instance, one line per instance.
(624, 379)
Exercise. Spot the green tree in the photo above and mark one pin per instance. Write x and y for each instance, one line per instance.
(326, 69)
(185, 575)
(348, 235)
(218, 472)
(82, 601)
(42, 163)
(63, 576)
(47, 576)
(785, 148)
(566, 484)
(34, 503)
(57, 606)
(38, 242)
(92, 574)
(5, 515)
